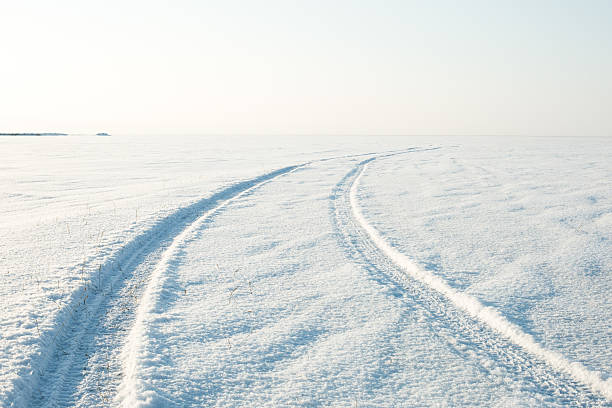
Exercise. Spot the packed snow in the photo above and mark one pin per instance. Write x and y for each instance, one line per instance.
(332, 271)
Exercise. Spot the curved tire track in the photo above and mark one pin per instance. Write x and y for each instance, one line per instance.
(459, 319)
(80, 363)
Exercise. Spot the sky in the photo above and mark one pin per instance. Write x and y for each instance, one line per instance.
(533, 68)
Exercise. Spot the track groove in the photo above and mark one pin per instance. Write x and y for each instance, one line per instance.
(465, 333)
(81, 365)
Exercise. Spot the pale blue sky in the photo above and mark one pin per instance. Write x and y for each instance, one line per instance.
(304, 67)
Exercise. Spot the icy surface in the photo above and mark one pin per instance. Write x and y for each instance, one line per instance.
(212, 271)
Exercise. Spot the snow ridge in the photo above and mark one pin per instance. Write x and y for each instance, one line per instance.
(472, 306)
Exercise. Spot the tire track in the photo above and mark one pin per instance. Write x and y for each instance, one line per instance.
(469, 328)
(80, 363)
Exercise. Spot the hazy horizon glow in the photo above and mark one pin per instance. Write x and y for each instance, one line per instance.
(289, 67)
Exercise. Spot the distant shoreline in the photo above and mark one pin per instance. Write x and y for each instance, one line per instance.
(34, 134)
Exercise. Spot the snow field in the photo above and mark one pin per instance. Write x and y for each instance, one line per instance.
(469, 274)
(294, 325)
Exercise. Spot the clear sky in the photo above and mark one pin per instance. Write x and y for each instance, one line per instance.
(307, 67)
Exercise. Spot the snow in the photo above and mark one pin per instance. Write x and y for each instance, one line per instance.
(183, 271)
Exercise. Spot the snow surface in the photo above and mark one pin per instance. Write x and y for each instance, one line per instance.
(324, 272)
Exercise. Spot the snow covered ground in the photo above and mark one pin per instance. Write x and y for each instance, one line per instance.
(292, 272)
